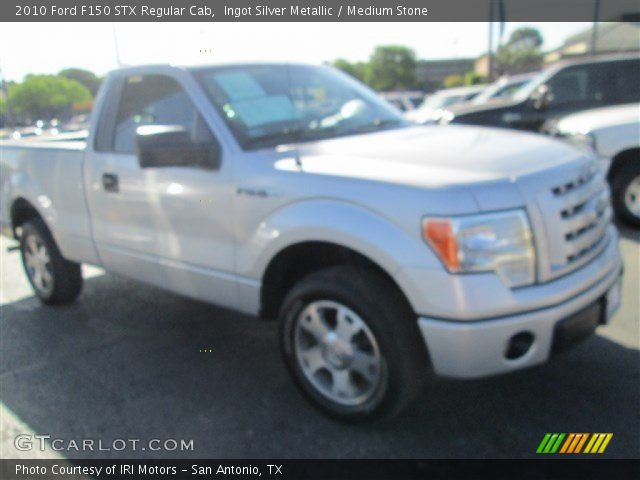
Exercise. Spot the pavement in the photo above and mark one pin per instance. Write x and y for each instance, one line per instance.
(129, 361)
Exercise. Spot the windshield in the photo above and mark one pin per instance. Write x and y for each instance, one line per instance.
(268, 105)
(528, 88)
(438, 101)
(500, 89)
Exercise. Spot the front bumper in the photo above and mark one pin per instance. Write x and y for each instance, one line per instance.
(470, 349)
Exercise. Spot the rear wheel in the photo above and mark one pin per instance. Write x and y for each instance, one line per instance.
(352, 344)
(54, 279)
(625, 188)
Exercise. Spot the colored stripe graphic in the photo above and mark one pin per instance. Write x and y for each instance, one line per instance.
(555, 447)
(565, 447)
(573, 443)
(550, 443)
(543, 443)
(583, 439)
(598, 443)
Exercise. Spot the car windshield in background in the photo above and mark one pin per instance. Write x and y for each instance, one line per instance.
(268, 105)
(528, 88)
(499, 90)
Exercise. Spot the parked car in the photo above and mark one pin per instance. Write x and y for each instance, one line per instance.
(563, 88)
(614, 133)
(434, 105)
(385, 250)
(503, 88)
(404, 101)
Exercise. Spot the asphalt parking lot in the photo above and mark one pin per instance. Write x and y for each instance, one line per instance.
(126, 362)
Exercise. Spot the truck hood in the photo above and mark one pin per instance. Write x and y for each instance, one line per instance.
(436, 156)
(589, 120)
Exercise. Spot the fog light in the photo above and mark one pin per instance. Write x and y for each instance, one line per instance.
(518, 345)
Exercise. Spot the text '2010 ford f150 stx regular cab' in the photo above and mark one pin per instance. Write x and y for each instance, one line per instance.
(384, 250)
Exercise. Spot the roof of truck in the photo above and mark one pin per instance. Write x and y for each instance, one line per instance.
(196, 67)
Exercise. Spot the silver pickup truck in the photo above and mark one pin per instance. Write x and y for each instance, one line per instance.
(384, 250)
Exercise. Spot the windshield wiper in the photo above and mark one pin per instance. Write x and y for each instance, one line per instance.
(291, 136)
(382, 124)
(299, 134)
(284, 136)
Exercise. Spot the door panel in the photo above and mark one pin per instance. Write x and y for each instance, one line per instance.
(168, 226)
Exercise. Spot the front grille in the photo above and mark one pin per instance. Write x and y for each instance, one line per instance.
(576, 212)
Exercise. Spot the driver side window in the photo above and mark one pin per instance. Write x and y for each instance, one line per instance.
(155, 100)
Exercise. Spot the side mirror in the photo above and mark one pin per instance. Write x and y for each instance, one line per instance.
(541, 97)
(171, 146)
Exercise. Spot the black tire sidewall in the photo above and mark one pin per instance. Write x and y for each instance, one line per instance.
(67, 275)
(34, 229)
(619, 185)
(378, 318)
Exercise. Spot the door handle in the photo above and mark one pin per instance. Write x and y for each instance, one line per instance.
(110, 182)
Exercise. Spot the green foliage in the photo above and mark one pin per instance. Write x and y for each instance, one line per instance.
(392, 67)
(3, 111)
(46, 96)
(525, 38)
(510, 60)
(453, 81)
(521, 52)
(473, 78)
(357, 70)
(85, 77)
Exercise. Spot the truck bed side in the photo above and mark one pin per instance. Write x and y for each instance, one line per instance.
(49, 177)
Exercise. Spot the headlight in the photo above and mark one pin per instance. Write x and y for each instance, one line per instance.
(585, 141)
(498, 242)
(446, 117)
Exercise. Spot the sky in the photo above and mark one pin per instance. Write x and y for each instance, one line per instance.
(50, 47)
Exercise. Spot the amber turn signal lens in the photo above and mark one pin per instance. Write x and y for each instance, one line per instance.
(439, 233)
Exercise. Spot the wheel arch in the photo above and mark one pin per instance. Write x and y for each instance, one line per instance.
(621, 159)
(22, 210)
(298, 260)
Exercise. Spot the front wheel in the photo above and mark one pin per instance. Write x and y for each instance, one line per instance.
(54, 279)
(352, 344)
(625, 188)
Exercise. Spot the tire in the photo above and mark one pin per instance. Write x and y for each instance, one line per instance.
(625, 189)
(351, 319)
(55, 281)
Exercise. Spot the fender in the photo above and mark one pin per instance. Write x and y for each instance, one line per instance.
(352, 226)
(24, 187)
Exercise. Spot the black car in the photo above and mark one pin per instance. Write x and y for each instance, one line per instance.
(564, 88)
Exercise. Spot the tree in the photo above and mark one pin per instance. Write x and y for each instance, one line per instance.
(473, 78)
(521, 52)
(357, 70)
(392, 67)
(524, 38)
(85, 77)
(46, 96)
(3, 110)
(453, 81)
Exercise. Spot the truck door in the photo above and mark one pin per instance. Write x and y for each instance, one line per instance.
(170, 226)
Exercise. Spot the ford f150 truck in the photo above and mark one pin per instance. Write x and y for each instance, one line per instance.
(292, 192)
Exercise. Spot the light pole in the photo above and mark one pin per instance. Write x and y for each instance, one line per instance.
(490, 52)
(594, 31)
(115, 44)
